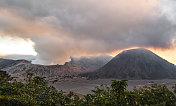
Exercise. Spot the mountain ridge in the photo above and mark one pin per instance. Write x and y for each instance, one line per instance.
(20, 68)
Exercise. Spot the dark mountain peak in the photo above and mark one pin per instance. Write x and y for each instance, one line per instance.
(136, 53)
(136, 64)
(139, 56)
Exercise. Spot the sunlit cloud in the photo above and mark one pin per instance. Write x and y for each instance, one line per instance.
(15, 45)
(58, 29)
(168, 54)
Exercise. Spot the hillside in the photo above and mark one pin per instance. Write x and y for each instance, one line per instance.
(20, 68)
(136, 64)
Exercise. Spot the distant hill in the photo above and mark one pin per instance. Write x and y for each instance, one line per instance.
(71, 69)
(91, 63)
(136, 64)
(8, 62)
(20, 68)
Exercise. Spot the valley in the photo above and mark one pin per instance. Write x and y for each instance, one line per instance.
(83, 86)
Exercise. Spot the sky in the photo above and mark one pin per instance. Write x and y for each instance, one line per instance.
(54, 30)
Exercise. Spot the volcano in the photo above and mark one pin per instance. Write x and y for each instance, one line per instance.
(136, 64)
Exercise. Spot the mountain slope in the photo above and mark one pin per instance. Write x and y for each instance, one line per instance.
(22, 67)
(91, 63)
(8, 62)
(136, 64)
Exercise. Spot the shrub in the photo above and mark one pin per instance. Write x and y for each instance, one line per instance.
(35, 91)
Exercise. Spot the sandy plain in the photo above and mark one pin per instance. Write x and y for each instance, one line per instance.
(84, 86)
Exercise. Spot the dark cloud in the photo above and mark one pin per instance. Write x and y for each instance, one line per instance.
(89, 27)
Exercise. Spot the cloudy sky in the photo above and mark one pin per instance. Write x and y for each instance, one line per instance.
(54, 30)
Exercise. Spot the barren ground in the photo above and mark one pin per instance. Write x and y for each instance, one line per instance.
(84, 86)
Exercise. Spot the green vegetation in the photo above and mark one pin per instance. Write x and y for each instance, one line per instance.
(36, 92)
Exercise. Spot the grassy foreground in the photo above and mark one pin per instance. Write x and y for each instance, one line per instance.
(36, 92)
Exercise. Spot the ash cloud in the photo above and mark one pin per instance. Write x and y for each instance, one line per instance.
(64, 28)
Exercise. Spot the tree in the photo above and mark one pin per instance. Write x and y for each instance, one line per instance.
(155, 95)
(116, 95)
(36, 91)
(4, 77)
(174, 87)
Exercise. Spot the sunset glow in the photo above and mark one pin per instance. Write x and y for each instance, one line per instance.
(54, 30)
(168, 54)
(10, 45)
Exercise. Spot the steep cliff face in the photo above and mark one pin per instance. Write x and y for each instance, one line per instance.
(136, 64)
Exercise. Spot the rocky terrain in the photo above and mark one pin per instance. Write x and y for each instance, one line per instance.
(20, 68)
(70, 70)
(136, 64)
(8, 63)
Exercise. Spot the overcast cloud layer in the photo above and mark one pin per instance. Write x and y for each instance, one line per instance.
(64, 28)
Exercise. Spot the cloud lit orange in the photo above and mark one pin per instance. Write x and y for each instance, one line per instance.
(168, 54)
